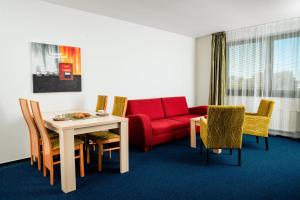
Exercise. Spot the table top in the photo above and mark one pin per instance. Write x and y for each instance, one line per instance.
(72, 124)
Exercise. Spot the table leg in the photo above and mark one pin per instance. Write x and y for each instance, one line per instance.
(67, 161)
(124, 162)
(193, 134)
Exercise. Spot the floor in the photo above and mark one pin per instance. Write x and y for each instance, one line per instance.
(173, 171)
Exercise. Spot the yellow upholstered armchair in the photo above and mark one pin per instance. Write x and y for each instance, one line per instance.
(257, 124)
(222, 129)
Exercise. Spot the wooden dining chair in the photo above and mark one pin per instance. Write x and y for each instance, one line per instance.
(35, 144)
(109, 138)
(51, 146)
(34, 135)
(101, 103)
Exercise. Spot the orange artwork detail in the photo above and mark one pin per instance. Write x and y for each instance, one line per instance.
(71, 55)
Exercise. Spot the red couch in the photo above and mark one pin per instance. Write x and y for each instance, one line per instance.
(160, 120)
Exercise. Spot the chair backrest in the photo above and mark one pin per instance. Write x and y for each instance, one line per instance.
(41, 127)
(101, 103)
(225, 126)
(33, 132)
(120, 105)
(265, 108)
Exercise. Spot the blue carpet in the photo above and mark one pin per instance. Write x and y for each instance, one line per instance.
(172, 171)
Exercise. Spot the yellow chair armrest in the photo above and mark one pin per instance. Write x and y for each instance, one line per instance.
(254, 118)
(203, 121)
(256, 125)
(203, 131)
(253, 114)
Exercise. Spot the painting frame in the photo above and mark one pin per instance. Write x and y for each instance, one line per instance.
(55, 68)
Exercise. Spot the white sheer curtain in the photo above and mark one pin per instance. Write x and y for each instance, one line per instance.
(264, 62)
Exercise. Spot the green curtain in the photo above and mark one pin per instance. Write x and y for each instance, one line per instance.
(217, 90)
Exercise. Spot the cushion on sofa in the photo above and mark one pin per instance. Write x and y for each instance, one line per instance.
(162, 126)
(174, 106)
(153, 108)
(186, 119)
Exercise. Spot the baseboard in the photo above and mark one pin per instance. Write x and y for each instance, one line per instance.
(286, 134)
(14, 162)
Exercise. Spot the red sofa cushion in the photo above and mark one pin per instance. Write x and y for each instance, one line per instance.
(162, 126)
(174, 106)
(153, 108)
(186, 119)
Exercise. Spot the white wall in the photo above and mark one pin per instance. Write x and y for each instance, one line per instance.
(203, 66)
(118, 58)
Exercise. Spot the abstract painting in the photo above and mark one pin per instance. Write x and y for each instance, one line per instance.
(55, 68)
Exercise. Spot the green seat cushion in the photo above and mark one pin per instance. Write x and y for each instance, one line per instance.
(103, 135)
(52, 134)
(55, 143)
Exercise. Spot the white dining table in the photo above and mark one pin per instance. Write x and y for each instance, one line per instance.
(68, 129)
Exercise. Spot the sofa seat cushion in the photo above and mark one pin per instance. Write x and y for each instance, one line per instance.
(162, 126)
(174, 106)
(153, 108)
(186, 119)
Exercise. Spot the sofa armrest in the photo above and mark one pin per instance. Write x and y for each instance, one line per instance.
(198, 110)
(140, 131)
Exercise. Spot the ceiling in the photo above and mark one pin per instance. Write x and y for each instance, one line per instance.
(190, 17)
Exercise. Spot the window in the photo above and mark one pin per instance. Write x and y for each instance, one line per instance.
(286, 67)
(267, 66)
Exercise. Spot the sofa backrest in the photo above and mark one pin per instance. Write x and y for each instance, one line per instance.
(174, 106)
(153, 108)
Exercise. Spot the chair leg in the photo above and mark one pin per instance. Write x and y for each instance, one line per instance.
(240, 156)
(39, 163)
(44, 169)
(257, 139)
(51, 176)
(81, 160)
(201, 147)
(31, 160)
(100, 151)
(267, 143)
(86, 142)
(230, 151)
(207, 157)
(109, 154)
(88, 154)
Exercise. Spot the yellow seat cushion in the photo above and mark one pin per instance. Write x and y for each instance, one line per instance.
(51, 135)
(103, 135)
(55, 143)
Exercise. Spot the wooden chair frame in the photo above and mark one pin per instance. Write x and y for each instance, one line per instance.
(35, 142)
(101, 143)
(48, 152)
